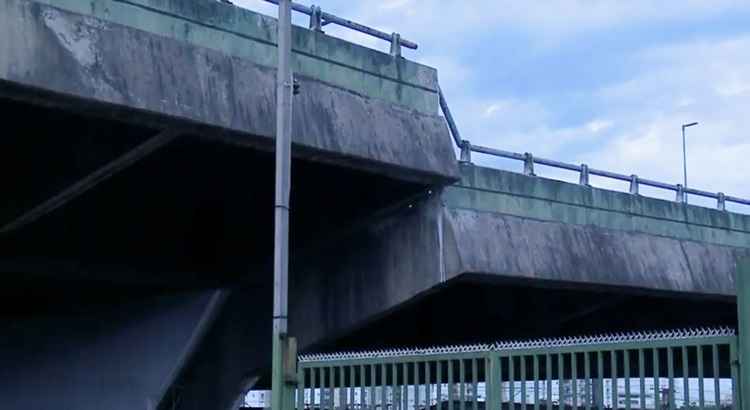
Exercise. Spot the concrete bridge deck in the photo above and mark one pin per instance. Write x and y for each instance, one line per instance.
(140, 277)
(496, 226)
(208, 66)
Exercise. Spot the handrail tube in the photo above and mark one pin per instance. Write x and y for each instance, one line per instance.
(497, 152)
(736, 200)
(657, 184)
(449, 119)
(330, 18)
(698, 192)
(557, 164)
(608, 174)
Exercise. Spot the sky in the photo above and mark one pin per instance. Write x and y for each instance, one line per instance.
(602, 82)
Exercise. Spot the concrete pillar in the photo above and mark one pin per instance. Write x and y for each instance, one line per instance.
(742, 283)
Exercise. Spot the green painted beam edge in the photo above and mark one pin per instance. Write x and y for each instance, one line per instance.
(248, 35)
(508, 182)
(547, 211)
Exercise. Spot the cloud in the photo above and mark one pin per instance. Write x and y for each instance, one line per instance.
(634, 127)
(671, 62)
(705, 81)
(453, 21)
(596, 126)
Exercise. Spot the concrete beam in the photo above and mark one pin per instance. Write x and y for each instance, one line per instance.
(117, 355)
(116, 66)
(354, 279)
(516, 226)
(92, 180)
(528, 249)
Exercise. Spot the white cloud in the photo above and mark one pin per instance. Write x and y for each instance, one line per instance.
(634, 123)
(705, 81)
(547, 23)
(596, 126)
(637, 130)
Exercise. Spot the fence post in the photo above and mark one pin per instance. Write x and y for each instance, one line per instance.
(492, 393)
(316, 19)
(680, 196)
(742, 285)
(634, 184)
(465, 151)
(396, 45)
(584, 177)
(528, 164)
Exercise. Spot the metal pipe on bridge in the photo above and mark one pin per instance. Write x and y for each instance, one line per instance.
(584, 170)
(328, 18)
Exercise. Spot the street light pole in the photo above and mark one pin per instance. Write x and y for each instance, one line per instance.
(684, 159)
(284, 90)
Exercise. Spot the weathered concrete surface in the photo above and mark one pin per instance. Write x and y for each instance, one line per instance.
(498, 224)
(418, 246)
(120, 355)
(237, 32)
(350, 280)
(508, 224)
(92, 59)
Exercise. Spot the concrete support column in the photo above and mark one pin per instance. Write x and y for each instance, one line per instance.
(742, 283)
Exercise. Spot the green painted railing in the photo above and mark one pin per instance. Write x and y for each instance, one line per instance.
(694, 369)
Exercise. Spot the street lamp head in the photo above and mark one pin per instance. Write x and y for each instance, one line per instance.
(689, 125)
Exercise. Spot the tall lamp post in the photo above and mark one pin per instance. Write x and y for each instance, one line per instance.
(283, 345)
(684, 158)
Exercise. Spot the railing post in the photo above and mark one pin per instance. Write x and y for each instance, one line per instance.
(494, 385)
(634, 184)
(316, 19)
(721, 203)
(465, 151)
(742, 286)
(528, 164)
(584, 178)
(680, 197)
(396, 45)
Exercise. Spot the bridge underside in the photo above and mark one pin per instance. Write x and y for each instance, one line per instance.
(194, 212)
(475, 309)
(156, 280)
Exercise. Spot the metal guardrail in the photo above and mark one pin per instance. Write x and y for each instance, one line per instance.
(695, 368)
(584, 170)
(543, 343)
(319, 19)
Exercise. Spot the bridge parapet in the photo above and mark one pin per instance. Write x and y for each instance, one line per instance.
(209, 67)
(251, 36)
(517, 226)
(497, 191)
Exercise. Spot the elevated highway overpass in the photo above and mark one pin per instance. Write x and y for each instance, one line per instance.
(135, 243)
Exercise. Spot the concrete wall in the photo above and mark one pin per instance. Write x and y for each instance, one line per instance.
(211, 64)
(251, 36)
(112, 356)
(509, 224)
(350, 280)
(498, 224)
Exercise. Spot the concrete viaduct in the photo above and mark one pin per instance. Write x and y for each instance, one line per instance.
(136, 220)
